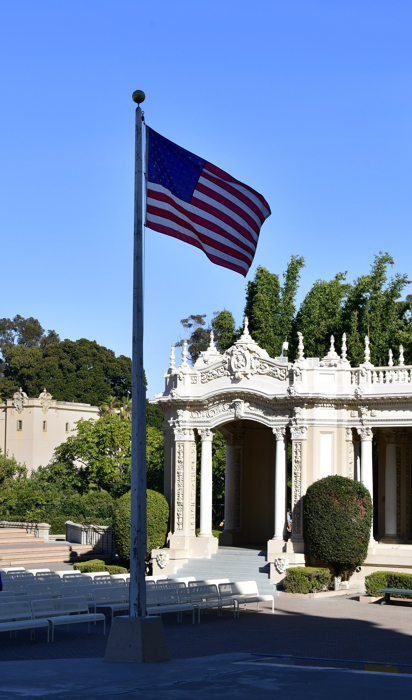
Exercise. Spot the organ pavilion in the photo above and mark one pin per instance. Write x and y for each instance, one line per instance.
(337, 419)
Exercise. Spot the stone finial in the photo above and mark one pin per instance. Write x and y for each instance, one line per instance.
(245, 337)
(172, 356)
(184, 354)
(367, 350)
(401, 357)
(332, 344)
(212, 349)
(390, 361)
(344, 352)
(301, 347)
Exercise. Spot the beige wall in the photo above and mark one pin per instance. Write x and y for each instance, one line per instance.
(35, 443)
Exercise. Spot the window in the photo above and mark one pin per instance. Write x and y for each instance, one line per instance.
(67, 427)
(44, 426)
(19, 425)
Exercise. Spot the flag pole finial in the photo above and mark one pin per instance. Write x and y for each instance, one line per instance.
(138, 96)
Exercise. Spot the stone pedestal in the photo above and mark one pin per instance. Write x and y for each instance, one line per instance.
(137, 640)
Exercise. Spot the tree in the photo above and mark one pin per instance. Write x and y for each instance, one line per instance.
(10, 471)
(154, 459)
(288, 297)
(263, 308)
(223, 326)
(198, 337)
(99, 454)
(78, 370)
(372, 308)
(25, 331)
(320, 315)
(338, 519)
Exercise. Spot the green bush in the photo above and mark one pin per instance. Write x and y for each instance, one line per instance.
(338, 519)
(157, 521)
(93, 565)
(306, 579)
(386, 579)
(114, 569)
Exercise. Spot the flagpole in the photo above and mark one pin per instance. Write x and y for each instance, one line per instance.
(137, 605)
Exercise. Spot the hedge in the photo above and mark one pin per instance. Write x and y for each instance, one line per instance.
(93, 565)
(338, 519)
(386, 579)
(307, 579)
(157, 522)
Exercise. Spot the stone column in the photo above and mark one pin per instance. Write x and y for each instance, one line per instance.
(183, 496)
(366, 436)
(230, 486)
(390, 487)
(280, 484)
(206, 483)
(298, 434)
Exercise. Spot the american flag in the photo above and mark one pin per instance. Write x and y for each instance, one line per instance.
(193, 200)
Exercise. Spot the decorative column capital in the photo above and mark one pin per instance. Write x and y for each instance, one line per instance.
(205, 434)
(365, 434)
(183, 434)
(279, 433)
(298, 432)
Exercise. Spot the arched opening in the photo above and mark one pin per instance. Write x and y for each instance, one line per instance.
(250, 483)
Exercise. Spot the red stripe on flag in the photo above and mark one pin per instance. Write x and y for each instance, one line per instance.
(168, 231)
(238, 194)
(203, 238)
(206, 223)
(225, 176)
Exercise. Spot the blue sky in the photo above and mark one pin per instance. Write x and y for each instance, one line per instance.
(307, 101)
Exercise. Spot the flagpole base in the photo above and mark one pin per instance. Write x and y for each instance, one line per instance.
(137, 640)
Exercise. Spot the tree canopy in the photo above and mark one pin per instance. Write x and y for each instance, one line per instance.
(80, 370)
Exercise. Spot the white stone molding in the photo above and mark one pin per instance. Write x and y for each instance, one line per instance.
(183, 434)
(398, 458)
(279, 433)
(296, 487)
(193, 487)
(365, 434)
(301, 347)
(205, 434)
(332, 359)
(298, 432)
(281, 564)
(45, 400)
(180, 484)
(348, 435)
(19, 400)
(162, 559)
(351, 460)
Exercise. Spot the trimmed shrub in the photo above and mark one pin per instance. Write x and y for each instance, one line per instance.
(87, 567)
(157, 522)
(306, 579)
(114, 569)
(338, 519)
(386, 579)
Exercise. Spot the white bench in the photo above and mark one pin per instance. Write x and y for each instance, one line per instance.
(66, 611)
(206, 596)
(245, 592)
(404, 592)
(115, 598)
(16, 616)
(167, 600)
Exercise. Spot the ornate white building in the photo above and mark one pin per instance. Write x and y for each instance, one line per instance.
(356, 422)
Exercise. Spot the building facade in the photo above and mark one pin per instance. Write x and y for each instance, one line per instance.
(31, 429)
(329, 417)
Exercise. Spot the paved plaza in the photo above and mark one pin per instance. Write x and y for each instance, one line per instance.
(309, 648)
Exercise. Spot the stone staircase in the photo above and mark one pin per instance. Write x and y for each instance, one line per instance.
(234, 563)
(19, 548)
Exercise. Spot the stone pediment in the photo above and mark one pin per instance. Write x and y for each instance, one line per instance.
(243, 360)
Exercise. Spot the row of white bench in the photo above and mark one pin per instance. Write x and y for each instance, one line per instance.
(46, 613)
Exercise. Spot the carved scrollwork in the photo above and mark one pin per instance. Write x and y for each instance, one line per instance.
(298, 432)
(19, 400)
